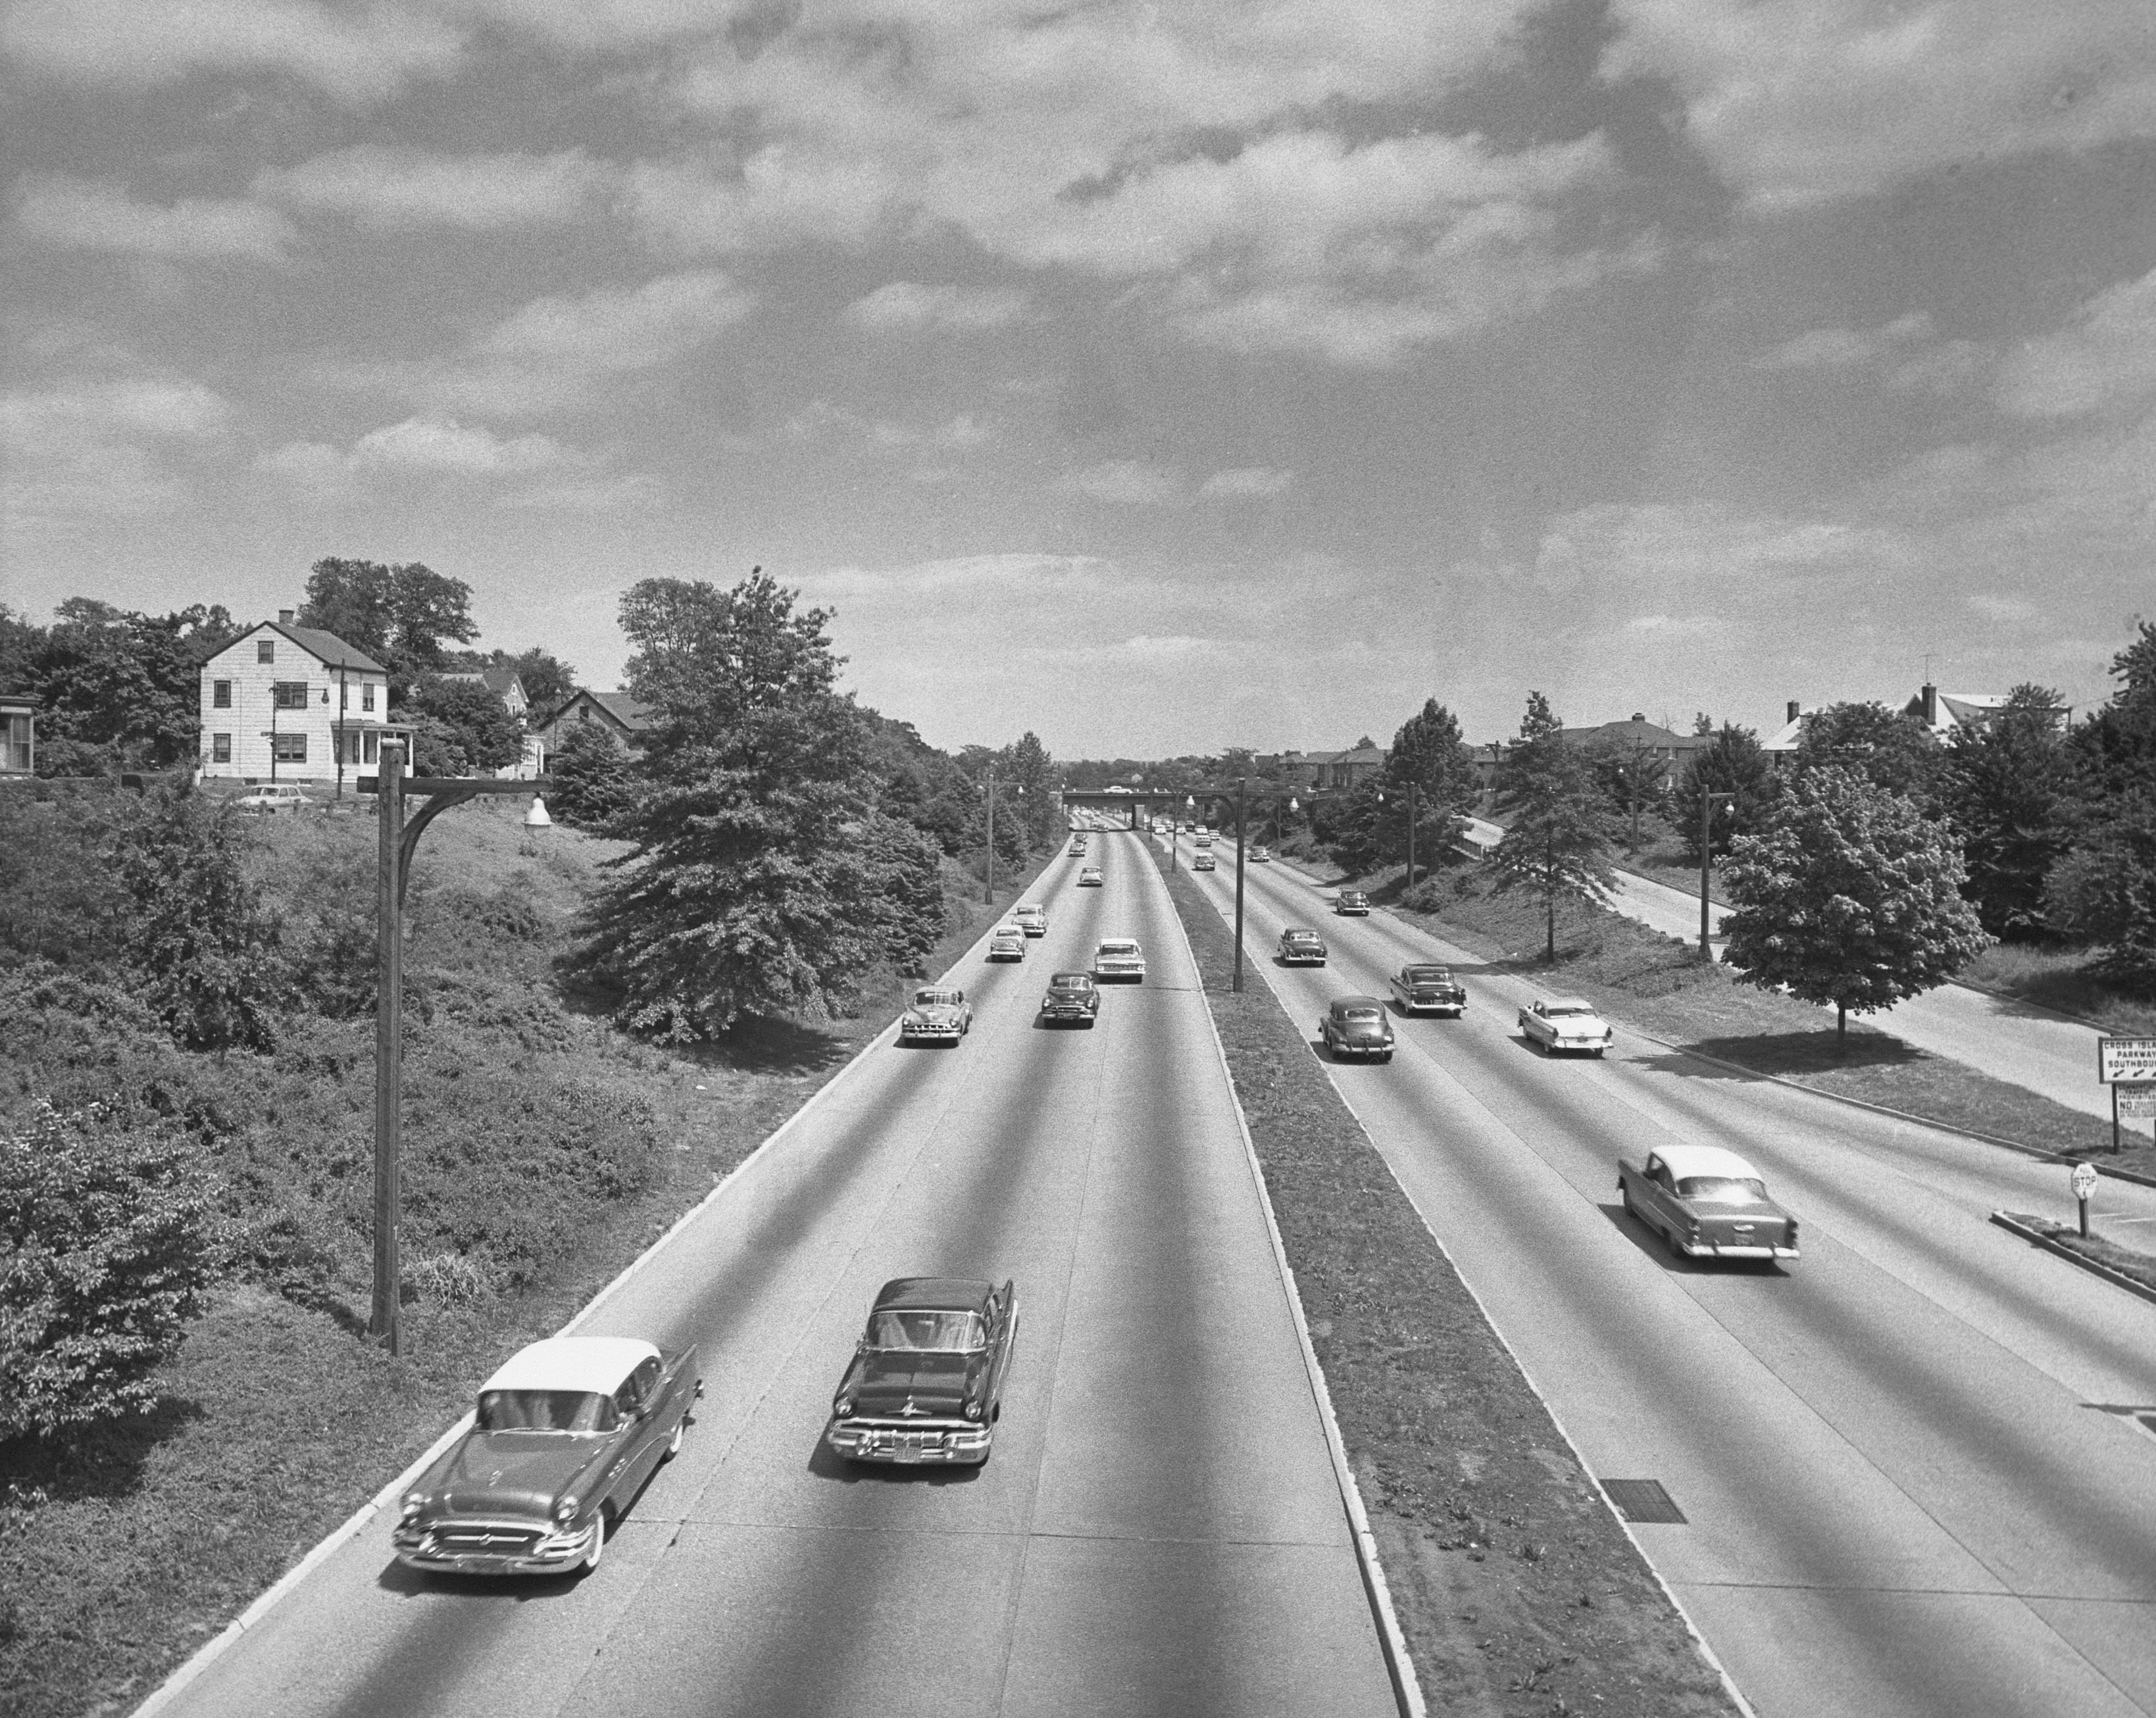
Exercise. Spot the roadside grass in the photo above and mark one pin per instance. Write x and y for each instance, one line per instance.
(1658, 985)
(2060, 978)
(277, 1418)
(1518, 1591)
(2127, 1261)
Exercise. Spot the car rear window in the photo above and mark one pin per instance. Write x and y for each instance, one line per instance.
(1358, 1014)
(1722, 1189)
(1429, 975)
(1119, 948)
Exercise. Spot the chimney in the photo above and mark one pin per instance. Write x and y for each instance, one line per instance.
(1793, 711)
(1931, 704)
(285, 617)
(1637, 717)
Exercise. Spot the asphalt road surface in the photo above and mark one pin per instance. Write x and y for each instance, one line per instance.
(1912, 1479)
(1159, 1531)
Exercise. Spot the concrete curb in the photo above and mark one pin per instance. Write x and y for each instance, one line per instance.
(1399, 1665)
(1699, 1641)
(218, 1644)
(2096, 1267)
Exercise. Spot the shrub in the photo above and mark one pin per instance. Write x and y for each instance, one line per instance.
(106, 1247)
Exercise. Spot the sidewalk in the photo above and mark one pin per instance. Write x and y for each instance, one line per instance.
(2030, 1047)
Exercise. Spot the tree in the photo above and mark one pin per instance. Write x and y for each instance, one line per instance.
(1557, 821)
(549, 682)
(485, 736)
(1890, 747)
(2104, 890)
(1733, 764)
(594, 777)
(120, 688)
(2004, 783)
(1850, 895)
(1634, 776)
(1429, 754)
(107, 1249)
(406, 616)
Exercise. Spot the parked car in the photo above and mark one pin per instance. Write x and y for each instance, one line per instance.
(1357, 1026)
(276, 797)
(1119, 958)
(1299, 947)
(1433, 989)
(1261, 855)
(1071, 995)
(1352, 903)
(567, 1433)
(1203, 862)
(1707, 1203)
(1031, 919)
(937, 1014)
(1007, 942)
(1089, 877)
(925, 1383)
(1565, 1023)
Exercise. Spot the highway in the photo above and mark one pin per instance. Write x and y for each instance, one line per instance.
(1159, 1531)
(1910, 1482)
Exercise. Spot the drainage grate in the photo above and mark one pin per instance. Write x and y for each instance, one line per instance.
(1643, 1500)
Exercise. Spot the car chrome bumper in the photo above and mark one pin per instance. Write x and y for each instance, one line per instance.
(520, 1554)
(930, 1034)
(950, 1443)
(1711, 1249)
(1361, 1049)
(1066, 1014)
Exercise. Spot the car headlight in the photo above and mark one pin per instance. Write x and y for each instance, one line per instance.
(842, 1407)
(973, 1410)
(564, 1512)
(414, 1501)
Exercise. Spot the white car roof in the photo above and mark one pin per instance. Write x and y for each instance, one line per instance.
(597, 1364)
(1685, 1162)
(1119, 944)
(1009, 928)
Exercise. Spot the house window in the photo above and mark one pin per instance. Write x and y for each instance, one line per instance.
(220, 748)
(220, 694)
(366, 696)
(584, 713)
(292, 694)
(291, 748)
(370, 739)
(17, 728)
(266, 649)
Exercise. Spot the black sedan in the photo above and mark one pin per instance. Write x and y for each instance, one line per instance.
(1071, 995)
(1429, 990)
(926, 1384)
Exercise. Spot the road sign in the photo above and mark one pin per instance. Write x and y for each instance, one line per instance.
(2127, 1061)
(2136, 1103)
(2084, 1180)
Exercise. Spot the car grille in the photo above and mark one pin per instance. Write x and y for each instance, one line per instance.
(485, 1540)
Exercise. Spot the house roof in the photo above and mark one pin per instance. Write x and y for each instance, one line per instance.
(328, 646)
(629, 712)
(496, 677)
(1374, 756)
(1638, 732)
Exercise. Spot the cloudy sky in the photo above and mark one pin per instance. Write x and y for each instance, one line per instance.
(1155, 376)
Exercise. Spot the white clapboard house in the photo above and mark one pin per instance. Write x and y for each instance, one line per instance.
(287, 703)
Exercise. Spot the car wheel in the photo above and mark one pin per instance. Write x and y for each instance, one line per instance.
(1597, 1054)
(598, 1541)
(673, 1444)
(1387, 1057)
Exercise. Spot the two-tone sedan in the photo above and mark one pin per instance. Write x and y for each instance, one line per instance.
(567, 1433)
(1261, 855)
(1301, 947)
(939, 1013)
(1072, 997)
(1352, 904)
(1089, 877)
(1031, 919)
(1007, 942)
(1356, 1026)
(1706, 1203)
(1203, 862)
(927, 1380)
(1119, 958)
(1565, 1023)
(1419, 989)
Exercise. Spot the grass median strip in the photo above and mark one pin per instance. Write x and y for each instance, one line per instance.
(1516, 1587)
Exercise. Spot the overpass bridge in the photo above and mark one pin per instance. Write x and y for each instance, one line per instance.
(1214, 802)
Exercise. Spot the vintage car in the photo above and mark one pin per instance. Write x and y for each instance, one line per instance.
(927, 1379)
(272, 797)
(1030, 919)
(1204, 841)
(1565, 1023)
(1203, 862)
(1261, 855)
(1119, 958)
(1089, 877)
(1007, 942)
(1352, 903)
(1707, 1202)
(939, 1013)
(1357, 1026)
(1429, 990)
(1071, 995)
(1299, 947)
(1078, 849)
(567, 1433)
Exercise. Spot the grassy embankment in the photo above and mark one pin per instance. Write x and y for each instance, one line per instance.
(544, 1151)
(1518, 1590)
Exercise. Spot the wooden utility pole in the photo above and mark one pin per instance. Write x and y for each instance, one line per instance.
(388, 1045)
(1242, 796)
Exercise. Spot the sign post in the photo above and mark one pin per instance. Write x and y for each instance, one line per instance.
(2129, 1062)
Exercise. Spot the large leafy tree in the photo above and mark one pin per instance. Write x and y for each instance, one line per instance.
(1557, 819)
(594, 778)
(763, 877)
(482, 734)
(2104, 889)
(549, 682)
(405, 616)
(1889, 747)
(2004, 783)
(120, 689)
(1850, 897)
(1733, 764)
(1429, 756)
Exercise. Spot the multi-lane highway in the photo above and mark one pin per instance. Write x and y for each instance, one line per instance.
(1911, 1478)
(1160, 1530)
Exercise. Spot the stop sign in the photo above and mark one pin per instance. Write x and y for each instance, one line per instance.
(2084, 1180)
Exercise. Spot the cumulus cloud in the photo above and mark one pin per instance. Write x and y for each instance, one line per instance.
(1843, 348)
(1127, 482)
(75, 214)
(822, 421)
(103, 447)
(385, 188)
(360, 55)
(1247, 482)
(2104, 356)
(1797, 102)
(904, 306)
(421, 446)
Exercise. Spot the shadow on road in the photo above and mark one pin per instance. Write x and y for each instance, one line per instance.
(1650, 1242)
(1784, 1053)
(826, 1465)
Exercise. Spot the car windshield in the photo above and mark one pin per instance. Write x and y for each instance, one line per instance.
(545, 1411)
(928, 1332)
(936, 999)
(1070, 981)
(1722, 1189)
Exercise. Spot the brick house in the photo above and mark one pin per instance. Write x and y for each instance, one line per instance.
(287, 703)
